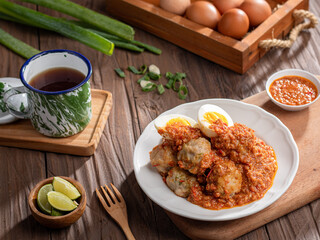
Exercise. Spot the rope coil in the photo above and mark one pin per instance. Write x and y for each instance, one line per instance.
(298, 15)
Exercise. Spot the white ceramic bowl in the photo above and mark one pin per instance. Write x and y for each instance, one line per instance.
(293, 72)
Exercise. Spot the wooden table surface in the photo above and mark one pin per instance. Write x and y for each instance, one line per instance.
(22, 169)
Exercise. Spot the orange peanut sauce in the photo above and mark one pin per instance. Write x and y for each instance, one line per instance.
(293, 90)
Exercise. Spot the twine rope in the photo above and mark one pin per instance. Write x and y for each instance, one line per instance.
(298, 15)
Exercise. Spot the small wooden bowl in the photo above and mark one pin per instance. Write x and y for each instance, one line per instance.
(57, 221)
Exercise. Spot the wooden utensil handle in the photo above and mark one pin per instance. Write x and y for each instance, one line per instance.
(127, 231)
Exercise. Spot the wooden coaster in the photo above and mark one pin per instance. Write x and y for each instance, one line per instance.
(304, 126)
(22, 134)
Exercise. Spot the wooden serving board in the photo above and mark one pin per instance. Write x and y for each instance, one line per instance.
(22, 134)
(304, 126)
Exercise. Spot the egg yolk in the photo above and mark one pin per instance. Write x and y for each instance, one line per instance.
(178, 120)
(211, 117)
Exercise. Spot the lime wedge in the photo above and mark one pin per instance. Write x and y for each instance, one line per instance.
(65, 187)
(56, 212)
(60, 201)
(42, 199)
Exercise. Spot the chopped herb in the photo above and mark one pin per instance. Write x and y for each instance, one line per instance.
(154, 76)
(145, 77)
(142, 69)
(120, 72)
(169, 75)
(160, 89)
(169, 84)
(133, 69)
(147, 86)
(183, 92)
(175, 81)
(154, 69)
(180, 75)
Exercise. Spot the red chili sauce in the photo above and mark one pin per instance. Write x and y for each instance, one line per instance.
(293, 90)
(232, 169)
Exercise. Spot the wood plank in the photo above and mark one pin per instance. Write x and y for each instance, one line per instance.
(20, 170)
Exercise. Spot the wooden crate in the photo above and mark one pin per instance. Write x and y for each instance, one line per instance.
(236, 55)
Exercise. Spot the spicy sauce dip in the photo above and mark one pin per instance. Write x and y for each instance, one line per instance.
(293, 90)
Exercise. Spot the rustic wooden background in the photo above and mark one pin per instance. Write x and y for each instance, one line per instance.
(133, 109)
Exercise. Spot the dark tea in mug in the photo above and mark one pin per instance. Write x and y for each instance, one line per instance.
(57, 79)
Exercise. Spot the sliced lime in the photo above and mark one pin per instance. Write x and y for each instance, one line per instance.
(60, 201)
(56, 212)
(65, 187)
(42, 199)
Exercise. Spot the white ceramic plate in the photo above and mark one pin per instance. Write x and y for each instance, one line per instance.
(266, 126)
(5, 116)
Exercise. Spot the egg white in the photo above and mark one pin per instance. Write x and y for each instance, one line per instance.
(205, 125)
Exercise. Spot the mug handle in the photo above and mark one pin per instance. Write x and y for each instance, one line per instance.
(16, 100)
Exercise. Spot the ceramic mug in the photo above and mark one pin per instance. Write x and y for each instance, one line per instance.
(54, 114)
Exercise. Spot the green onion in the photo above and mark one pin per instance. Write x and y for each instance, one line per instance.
(147, 86)
(58, 25)
(8, 18)
(16, 45)
(180, 75)
(169, 75)
(120, 72)
(122, 43)
(154, 76)
(113, 37)
(175, 81)
(183, 92)
(169, 84)
(89, 16)
(145, 77)
(160, 89)
(147, 47)
(128, 46)
(142, 69)
(134, 70)
(119, 44)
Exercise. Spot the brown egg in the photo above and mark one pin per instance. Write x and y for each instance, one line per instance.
(257, 11)
(234, 23)
(225, 5)
(204, 13)
(175, 6)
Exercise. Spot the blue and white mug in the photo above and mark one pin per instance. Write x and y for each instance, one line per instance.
(54, 114)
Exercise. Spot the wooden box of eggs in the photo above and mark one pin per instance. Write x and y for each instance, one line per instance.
(227, 32)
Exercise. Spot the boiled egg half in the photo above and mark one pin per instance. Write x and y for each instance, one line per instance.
(208, 114)
(167, 120)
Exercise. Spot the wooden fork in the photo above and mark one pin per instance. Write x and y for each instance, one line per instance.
(116, 207)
